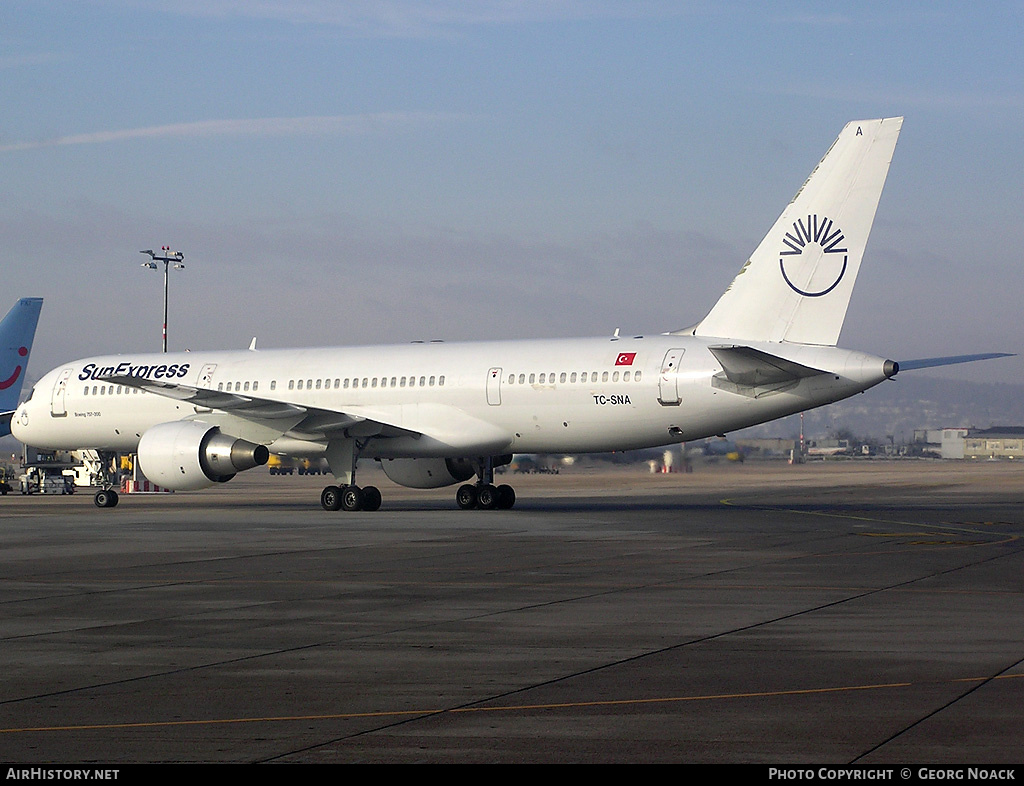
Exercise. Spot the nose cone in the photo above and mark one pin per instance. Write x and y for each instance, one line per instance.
(19, 423)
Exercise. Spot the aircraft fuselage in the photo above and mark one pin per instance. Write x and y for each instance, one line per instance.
(570, 395)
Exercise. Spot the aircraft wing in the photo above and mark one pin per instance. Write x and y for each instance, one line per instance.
(260, 408)
(275, 418)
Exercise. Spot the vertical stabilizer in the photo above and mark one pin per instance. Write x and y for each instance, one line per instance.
(17, 330)
(796, 286)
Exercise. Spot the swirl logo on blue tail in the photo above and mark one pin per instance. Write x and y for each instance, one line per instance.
(17, 371)
(823, 233)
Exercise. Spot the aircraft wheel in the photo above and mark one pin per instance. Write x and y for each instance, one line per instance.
(106, 498)
(371, 498)
(465, 497)
(506, 497)
(487, 497)
(330, 498)
(351, 498)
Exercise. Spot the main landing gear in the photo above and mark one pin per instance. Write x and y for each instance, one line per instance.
(485, 495)
(350, 498)
(342, 455)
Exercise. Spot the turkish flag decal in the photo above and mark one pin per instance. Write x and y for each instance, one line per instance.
(625, 359)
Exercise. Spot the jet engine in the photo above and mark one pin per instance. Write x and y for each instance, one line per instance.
(187, 455)
(428, 473)
(433, 473)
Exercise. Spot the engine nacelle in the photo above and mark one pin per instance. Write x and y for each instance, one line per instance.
(433, 473)
(186, 455)
(428, 473)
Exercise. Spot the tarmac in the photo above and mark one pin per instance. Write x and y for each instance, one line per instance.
(841, 612)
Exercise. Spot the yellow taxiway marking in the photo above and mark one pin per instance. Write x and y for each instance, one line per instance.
(918, 530)
(502, 708)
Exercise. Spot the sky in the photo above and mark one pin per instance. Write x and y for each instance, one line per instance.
(373, 172)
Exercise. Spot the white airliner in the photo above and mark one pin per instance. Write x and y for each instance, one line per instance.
(437, 414)
(16, 333)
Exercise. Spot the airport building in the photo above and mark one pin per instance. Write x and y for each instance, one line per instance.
(998, 442)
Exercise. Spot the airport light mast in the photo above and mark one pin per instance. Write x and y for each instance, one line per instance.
(167, 257)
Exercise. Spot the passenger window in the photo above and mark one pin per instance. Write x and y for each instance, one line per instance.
(541, 380)
(636, 377)
(561, 377)
(432, 382)
(522, 379)
(604, 377)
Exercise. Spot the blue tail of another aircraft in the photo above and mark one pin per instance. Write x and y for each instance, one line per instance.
(16, 333)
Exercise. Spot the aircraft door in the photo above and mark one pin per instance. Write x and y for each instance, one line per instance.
(668, 381)
(206, 375)
(58, 406)
(494, 386)
(206, 381)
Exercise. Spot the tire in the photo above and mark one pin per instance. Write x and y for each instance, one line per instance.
(106, 498)
(487, 497)
(465, 497)
(351, 498)
(371, 498)
(330, 498)
(506, 497)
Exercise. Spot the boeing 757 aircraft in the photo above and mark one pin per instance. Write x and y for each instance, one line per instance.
(16, 334)
(436, 414)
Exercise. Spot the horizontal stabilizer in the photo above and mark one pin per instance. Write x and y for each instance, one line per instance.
(749, 367)
(909, 365)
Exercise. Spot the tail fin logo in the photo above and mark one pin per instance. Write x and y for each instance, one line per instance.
(821, 275)
(22, 351)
